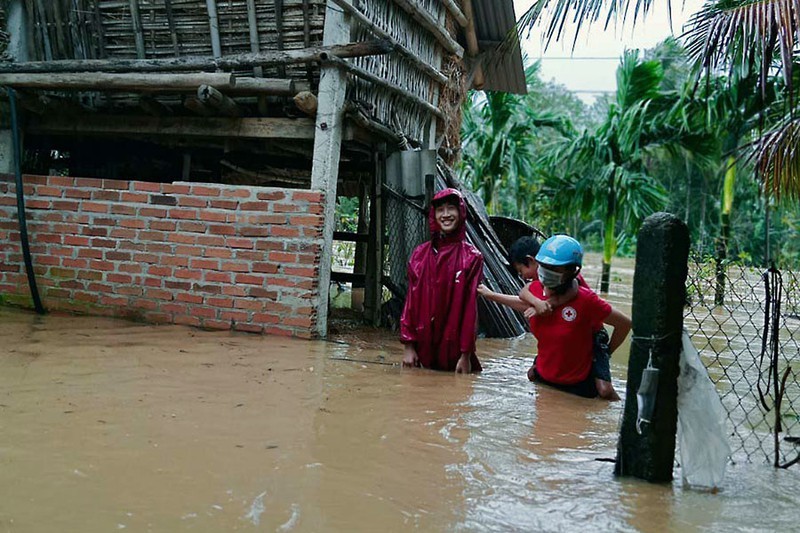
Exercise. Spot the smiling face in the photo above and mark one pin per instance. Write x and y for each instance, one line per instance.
(447, 216)
(528, 271)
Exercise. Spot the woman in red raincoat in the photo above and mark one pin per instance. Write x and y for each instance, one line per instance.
(440, 318)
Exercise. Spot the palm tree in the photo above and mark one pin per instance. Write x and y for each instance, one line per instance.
(604, 173)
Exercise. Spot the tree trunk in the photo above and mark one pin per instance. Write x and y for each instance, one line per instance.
(728, 191)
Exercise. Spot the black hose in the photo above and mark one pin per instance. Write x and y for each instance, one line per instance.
(23, 226)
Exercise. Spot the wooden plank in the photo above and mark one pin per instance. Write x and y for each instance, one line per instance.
(167, 64)
(262, 86)
(138, 34)
(472, 45)
(213, 26)
(327, 152)
(106, 81)
(172, 29)
(426, 20)
(212, 97)
(252, 128)
(99, 30)
(48, 49)
(399, 47)
(279, 31)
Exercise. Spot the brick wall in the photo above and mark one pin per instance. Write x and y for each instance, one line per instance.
(207, 255)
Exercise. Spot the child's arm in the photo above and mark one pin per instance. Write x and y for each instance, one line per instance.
(504, 299)
(540, 307)
(621, 324)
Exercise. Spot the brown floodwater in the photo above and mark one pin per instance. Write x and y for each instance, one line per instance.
(109, 425)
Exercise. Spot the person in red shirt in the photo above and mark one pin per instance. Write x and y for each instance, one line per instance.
(439, 324)
(567, 318)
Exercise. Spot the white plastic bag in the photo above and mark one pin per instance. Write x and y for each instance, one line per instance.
(701, 423)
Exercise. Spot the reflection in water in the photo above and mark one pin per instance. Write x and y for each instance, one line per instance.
(109, 425)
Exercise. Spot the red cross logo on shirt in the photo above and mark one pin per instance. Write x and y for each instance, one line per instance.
(569, 313)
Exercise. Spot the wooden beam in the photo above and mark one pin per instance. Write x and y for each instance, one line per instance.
(454, 10)
(327, 153)
(400, 48)
(212, 97)
(472, 45)
(172, 29)
(426, 20)
(251, 128)
(136, 21)
(363, 74)
(105, 81)
(153, 107)
(196, 63)
(262, 86)
(213, 25)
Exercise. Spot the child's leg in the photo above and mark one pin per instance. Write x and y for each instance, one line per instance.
(601, 367)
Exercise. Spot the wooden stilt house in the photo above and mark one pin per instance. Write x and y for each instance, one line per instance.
(183, 158)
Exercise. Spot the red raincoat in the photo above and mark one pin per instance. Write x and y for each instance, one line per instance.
(441, 311)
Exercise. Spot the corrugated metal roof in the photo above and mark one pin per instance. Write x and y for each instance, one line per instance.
(493, 20)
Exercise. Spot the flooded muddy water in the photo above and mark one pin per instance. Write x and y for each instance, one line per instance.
(109, 425)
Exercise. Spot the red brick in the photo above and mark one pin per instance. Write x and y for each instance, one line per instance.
(145, 258)
(153, 282)
(152, 212)
(248, 255)
(158, 294)
(61, 181)
(200, 190)
(218, 252)
(217, 277)
(188, 201)
(144, 304)
(300, 322)
(182, 273)
(236, 193)
(118, 278)
(134, 197)
(162, 225)
(78, 193)
(173, 260)
(146, 186)
(59, 294)
(159, 248)
(91, 183)
(234, 290)
(71, 284)
(284, 231)
(102, 265)
(224, 204)
(132, 223)
(45, 204)
(270, 244)
(307, 259)
(282, 257)
(254, 231)
(220, 302)
(189, 298)
(90, 254)
(312, 233)
(209, 264)
(212, 216)
(307, 272)
(250, 328)
(116, 184)
(176, 188)
(210, 240)
(103, 243)
(307, 196)
(268, 268)
(233, 242)
(123, 210)
(316, 209)
(94, 232)
(152, 236)
(193, 227)
(184, 320)
(48, 260)
(85, 297)
(217, 229)
(72, 263)
(188, 250)
(42, 190)
(203, 312)
(307, 220)
(75, 240)
(238, 316)
(277, 330)
(101, 221)
(48, 238)
(131, 268)
(182, 238)
(129, 291)
(160, 271)
(266, 318)
(285, 208)
(183, 214)
(229, 266)
(249, 279)
(94, 207)
(125, 238)
(254, 206)
(114, 300)
(250, 305)
(179, 285)
(210, 289)
(105, 196)
(215, 324)
(118, 256)
(277, 307)
(259, 292)
(271, 195)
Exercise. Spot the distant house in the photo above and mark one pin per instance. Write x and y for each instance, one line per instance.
(183, 157)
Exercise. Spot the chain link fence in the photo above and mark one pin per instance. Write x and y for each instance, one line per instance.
(745, 323)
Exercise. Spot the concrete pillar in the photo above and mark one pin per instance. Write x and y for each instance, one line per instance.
(6, 152)
(327, 147)
(659, 294)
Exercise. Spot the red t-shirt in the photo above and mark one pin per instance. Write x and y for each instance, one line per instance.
(565, 336)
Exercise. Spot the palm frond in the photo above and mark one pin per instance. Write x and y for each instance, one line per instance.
(777, 159)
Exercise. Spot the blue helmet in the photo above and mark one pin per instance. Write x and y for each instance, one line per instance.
(560, 250)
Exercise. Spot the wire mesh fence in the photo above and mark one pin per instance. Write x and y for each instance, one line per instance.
(745, 323)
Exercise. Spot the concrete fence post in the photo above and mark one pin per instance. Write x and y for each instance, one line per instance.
(659, 294)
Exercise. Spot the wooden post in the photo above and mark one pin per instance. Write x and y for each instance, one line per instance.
(137, 29)
(472, 46)
(659, 294)
(213, 25)
(116, 81)
(327, 146)
(212, 97)
(360, 256)
(373, 290)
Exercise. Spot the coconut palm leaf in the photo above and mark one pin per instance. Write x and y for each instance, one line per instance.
(777, 158)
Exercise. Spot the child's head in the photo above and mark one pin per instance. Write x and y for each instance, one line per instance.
(522, 254)
(560, 259)
(447, 211)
